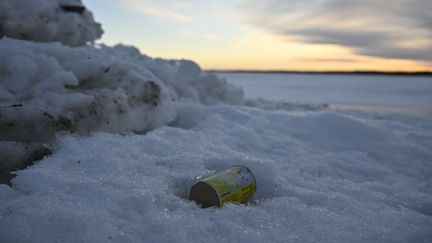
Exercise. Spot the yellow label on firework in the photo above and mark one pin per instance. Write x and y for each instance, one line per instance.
(234, 185)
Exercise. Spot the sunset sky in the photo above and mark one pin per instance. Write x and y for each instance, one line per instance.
(306, 35)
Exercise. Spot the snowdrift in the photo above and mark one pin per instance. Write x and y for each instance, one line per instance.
(46, 88)
(67, 86)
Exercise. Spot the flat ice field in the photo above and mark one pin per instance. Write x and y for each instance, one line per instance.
(323, 176)
(349, 91)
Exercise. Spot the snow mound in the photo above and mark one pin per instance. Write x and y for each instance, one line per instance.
(65, 21)
(47, 88)
(322, 177)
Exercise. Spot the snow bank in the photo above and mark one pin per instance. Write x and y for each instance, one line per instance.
(322, 177)
(65, 21)
(47, 88)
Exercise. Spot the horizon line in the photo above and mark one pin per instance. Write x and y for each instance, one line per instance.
(360, 72)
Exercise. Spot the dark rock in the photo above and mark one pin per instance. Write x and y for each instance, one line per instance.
(16, 156)
(73, 8)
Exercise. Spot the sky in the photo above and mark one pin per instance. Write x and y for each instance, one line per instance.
(305, 35)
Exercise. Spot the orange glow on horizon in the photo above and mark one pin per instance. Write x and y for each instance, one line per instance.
(219, 39)
(264, 52)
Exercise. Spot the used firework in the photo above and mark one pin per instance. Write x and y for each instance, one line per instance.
(234, 185)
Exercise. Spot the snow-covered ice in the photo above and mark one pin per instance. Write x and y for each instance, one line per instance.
(348, 89)
(129, 134)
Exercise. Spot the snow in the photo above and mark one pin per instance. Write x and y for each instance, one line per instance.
(128, 135)
(45, 21)
(368, 183)
(84, 89)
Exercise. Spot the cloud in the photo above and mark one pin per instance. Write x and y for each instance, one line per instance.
(324, 60)
(161, 9)
(202, 35)
(397, 29)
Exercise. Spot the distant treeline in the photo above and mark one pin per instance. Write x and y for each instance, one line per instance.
(326, 72)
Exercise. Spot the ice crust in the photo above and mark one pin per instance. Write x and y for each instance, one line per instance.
(46, 21)
(322, 177)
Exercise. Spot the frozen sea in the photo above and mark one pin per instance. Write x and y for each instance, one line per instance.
(357, 172)
(341, 91)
